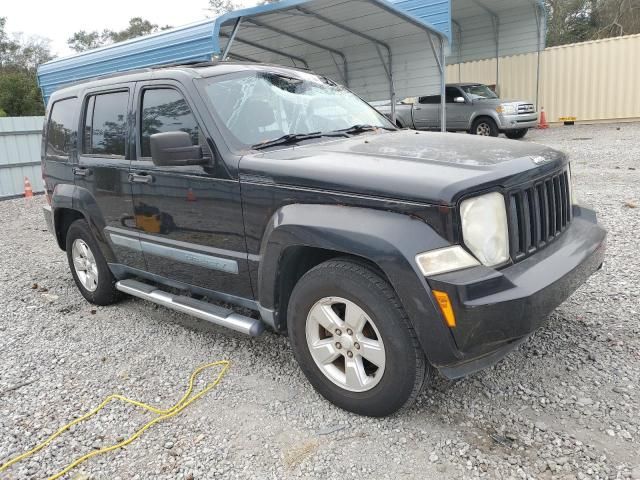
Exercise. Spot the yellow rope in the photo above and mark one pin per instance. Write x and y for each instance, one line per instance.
(186, 400)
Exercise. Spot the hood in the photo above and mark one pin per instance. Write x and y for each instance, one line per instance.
(433, 168)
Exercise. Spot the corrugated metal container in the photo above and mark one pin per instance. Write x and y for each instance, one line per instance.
(593, 81)
(20, 139)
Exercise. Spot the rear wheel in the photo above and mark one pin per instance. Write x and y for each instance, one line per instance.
(88, 267)
(353, 339)
(485, 127)
(516, 134)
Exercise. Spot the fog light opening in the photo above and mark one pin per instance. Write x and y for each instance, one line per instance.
(444, 302)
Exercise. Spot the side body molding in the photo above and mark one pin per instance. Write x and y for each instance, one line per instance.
(389, 240)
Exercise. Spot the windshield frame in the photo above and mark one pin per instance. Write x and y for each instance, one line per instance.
(236, 144)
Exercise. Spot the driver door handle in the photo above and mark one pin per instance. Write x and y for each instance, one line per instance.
(140, 178)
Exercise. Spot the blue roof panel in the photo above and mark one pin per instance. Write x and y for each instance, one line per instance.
(435, 12)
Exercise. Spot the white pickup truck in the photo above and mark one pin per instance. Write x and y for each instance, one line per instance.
(471, 107)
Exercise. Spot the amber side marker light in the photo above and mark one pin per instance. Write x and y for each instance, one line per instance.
(445, 307)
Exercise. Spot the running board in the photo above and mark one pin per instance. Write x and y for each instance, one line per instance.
(197, 308)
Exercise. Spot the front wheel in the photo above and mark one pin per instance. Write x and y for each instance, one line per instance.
(516, 134)
(353, 340)
(485, 127)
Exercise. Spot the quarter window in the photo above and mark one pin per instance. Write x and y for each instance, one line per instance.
(61, 129)
(165, 110)
(105, 126)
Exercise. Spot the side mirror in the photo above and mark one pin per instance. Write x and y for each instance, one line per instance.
(175, 149)
(459, 100)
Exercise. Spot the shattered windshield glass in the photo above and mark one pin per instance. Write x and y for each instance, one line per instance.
(259, 107)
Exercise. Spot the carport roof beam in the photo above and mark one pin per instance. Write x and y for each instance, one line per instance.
(267, 49)
(344, 73)
(388, 66)
(236, 27)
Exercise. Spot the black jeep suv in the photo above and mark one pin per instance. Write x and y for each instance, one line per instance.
(381, 252)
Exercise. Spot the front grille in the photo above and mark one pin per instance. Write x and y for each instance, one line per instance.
(538, 213)
(526, 108)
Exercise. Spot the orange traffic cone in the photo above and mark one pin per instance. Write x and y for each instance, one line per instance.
(543, 125)
(191, 196)
(28, 191)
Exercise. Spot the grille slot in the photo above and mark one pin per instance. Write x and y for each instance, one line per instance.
(526, 108)
(538, 214)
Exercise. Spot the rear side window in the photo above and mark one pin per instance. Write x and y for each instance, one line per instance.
(60, 133)
(165, 110)
(105, 124)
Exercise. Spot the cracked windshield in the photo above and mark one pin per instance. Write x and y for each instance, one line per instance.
(260, 107)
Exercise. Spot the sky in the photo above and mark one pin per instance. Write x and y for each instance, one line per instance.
(57, 20)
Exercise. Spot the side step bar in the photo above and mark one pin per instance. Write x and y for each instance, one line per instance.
(202, 310)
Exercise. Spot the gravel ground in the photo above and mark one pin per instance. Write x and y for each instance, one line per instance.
(566, 404)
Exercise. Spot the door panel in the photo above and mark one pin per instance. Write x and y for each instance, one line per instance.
(426, 113)
(189, 218)
(102, 172)
(458, 114)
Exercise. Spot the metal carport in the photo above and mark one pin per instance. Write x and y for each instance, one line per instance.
(375, 48)
(484, 29)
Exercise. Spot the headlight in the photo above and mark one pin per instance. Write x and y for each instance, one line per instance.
(507, 109)
(445, 260)
(484, 228)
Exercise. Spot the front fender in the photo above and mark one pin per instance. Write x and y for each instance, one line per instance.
(389, 240)
(486, 112)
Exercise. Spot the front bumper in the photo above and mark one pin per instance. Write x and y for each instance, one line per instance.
(518, 122)
(497, 309)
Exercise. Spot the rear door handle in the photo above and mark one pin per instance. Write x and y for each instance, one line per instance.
(140, 178)
(81, 172)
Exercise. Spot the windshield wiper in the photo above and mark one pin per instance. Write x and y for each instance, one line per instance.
(356, 129)
(291, 138)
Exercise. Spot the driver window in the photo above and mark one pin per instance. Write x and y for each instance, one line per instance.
(165, 110)
(452, 94)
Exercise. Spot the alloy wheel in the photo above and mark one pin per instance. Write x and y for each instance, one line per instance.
(345, 344)
(85, 265)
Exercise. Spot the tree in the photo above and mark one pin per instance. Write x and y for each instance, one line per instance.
(19, 59)
(572, 21)
(138, 27)
(218, 7)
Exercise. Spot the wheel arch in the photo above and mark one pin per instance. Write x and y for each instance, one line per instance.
(301, 237)
(70, 203)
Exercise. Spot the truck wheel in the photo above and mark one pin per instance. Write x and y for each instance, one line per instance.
(354, 341)
(516, 134)
(485, 126)
(88, 267)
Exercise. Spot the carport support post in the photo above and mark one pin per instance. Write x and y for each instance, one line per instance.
(227, 49)
(439, 55)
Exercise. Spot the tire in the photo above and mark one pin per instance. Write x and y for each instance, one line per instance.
(516, 134)
(380, 391)
(81, 244)
(485, 126)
